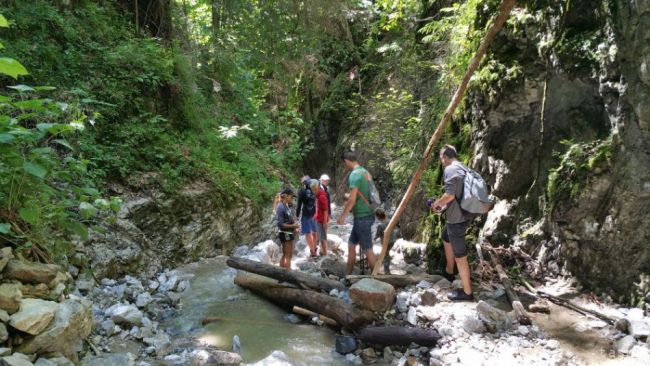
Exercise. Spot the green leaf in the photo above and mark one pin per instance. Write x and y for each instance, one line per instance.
(87, 210)
(90, 191)
(44, 88)
(34, 104)
(116, 204)
(5, 99)
(3, 21)
(29, 215)
(6, 138)
(34, 169)
(11, 67)
(79, 229)
(5, 228)
(43, 127)
(21, 88)
(2, 46)
(63, 143)
(101, 203)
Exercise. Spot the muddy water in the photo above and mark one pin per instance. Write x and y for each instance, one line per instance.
(260, 325)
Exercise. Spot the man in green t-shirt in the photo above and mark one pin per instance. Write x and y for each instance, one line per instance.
(358, 203)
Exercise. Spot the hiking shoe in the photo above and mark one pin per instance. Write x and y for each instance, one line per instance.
(448, 276)
(460, 295)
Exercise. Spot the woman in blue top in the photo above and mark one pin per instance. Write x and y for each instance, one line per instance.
(287, 226)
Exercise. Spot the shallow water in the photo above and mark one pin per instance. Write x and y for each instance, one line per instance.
(259, 324)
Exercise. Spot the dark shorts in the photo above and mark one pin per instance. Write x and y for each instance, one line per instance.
(322, 231)
(307, 225)
(285, 236)
(361, 232)
(455, 234)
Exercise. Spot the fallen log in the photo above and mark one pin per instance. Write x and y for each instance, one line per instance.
(343, 313)
(568, 304)
(517, 307)
(301, 279)
(398, 336)
(397, 280)
(311, 314)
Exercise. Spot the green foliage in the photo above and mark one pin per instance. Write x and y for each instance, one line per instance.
(45, 196)
(577, 164)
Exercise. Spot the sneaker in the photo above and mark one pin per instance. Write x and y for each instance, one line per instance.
(460, 295)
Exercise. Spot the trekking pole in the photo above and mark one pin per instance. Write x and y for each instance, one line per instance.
(502, 16)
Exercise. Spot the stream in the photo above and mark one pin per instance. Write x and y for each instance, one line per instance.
(259, 324)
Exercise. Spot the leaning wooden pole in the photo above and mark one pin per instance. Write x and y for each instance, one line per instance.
(504, 11)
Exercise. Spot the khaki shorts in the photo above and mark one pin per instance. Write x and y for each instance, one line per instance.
(321, 231)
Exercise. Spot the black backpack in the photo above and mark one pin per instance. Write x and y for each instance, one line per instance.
(308, 200)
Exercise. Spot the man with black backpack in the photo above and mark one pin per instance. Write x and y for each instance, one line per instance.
(457, 220)
(305, 211)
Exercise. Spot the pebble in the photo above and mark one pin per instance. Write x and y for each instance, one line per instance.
(552, 344)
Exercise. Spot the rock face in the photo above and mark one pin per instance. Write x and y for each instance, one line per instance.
(111, 359)
(30, 272)
(372, 294)
(34, 315)
(153, 231)
(72, 323)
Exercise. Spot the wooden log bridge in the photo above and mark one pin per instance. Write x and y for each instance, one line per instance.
(343, 313)
(298, 278)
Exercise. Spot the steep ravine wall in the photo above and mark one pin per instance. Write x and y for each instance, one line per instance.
(595, 230)
(154, 231)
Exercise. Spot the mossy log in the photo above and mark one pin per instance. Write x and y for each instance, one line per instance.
(343, 313)
(302, 280)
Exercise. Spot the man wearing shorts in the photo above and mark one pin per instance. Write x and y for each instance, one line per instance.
(322, 216)
(453, 235)
(287, 226)
(364, 215)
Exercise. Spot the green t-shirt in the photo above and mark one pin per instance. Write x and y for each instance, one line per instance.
(359, 179)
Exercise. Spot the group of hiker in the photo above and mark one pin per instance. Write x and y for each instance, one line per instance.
(314, 213)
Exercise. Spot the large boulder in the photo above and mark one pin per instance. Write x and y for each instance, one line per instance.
(10, 296)
(34, 315)
(72, 323)
(30, 272)
(495, 320)
(372, 294)
(125, 314)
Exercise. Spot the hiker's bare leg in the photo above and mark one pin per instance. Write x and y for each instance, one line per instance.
(352, 253)
(287, 253)
(323, 247)
(372, 259)
(463, 271)
(311, 242)
(449, 257)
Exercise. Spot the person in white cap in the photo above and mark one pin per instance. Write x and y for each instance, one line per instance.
(324, 185)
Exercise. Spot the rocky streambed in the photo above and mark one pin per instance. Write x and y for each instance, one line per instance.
(55, 317)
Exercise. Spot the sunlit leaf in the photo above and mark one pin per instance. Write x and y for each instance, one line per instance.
(87, 210)
(90, 191)
(63, 143)
(11, 67)
(3, 21)
(21, 88)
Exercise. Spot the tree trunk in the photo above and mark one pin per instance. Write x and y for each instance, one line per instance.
(216, 20)
(300, 279)
(343, 313)
(398, 336)
(397, 280)
(504, 11)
